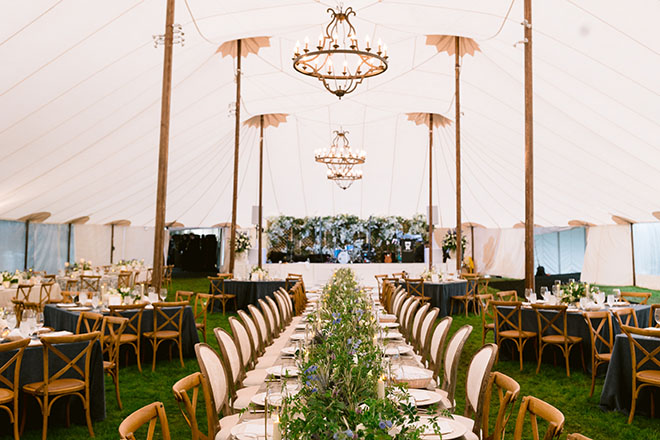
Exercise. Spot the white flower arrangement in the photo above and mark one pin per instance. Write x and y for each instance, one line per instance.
(258, 273)
(427, 274)
(242, 242)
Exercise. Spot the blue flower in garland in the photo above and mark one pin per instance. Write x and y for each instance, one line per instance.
(336, 318)
(311, 369)
(385, 424)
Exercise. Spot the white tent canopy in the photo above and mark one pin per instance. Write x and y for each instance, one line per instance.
(80, 100)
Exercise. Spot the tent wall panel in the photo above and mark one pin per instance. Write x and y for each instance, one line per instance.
(47, 246)
(135, 243)
(500, 251)
(92, 242)
(608, 256)
(571, 249)
(12, 245)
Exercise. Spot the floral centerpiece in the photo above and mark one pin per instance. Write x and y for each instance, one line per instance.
(573, 292)
(342, 372)
(242, 242)
(258, 274)
(8, 279)
(127, 295)
(427, 274)
(449, 242)
(78, 266)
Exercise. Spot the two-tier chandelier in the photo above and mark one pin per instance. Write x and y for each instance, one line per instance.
(338, 61)
(340, 160)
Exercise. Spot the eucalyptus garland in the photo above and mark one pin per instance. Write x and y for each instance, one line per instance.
(340, 371)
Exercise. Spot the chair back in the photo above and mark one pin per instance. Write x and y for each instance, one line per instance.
(476, 384)
(231, 356)
(242, 341)
(15, 360)
(407, 318)
(417, 323)
(551, 319)
(482, 286)
(71, 365)
(507, 317)
(134, 314)
(151, 414)
(215, 380)
(507, 391)
(89, 322)
(23, 293)
(184, 295)
(403, 309)
(289, 282)
(399, 275)
(452, 359)
(485, 309)
(507, 295)
(111, 330)
(218, 284)
(44, 293)
(282, 309)
(379, 282)
(626, 316)
(415, 286)
(537, 408)
(639, 354)
(72, 285)
(262, 326)
(275, 311)
(253, 332)
(188, 404)
(425, 331)
(268, 316)
(168, 320)
(90, 282)
(600, 331)
(397, 302)
(437, 343)
(638, 297)
(124, 279)
(201, 307)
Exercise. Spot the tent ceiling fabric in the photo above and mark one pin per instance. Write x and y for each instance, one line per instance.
(81, 105)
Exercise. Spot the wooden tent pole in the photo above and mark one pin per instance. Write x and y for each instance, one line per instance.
(232, 241)
(163, 150)
(430, 191)
(474, 260)
(459, 235)
(529, 151)
(112, 241)
(261, 184)
(632, 246)
(68, 245)
(27, 236)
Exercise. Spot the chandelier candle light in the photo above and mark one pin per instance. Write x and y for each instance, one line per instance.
(338, 61)
(340, 160)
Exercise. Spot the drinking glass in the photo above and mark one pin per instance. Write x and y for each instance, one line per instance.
(10, 317)
(528, 294)
(657, 316)
(39, 321)
(95, 300)
(610, 300)
(617, 293)
(544, 291)
(163, 294)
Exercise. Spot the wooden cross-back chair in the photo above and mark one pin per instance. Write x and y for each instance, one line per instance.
(626, 316)
(188, 403)
(219, 293)
(508, 326)
(507, 295)
(537, 408)
(152, 414)
(399, 275)
(415, 287)
(482, 285)
(469, 297)
(641, 355)
(23, 292)
(379, 283)
(487, 316)
(167, 275)
(636, 297)
(54, 385)
(111, 331)
(200, 308)
(391, 290)
(184, 295)
(45, 291)
(507, 392)
(10, 389)
(476, 386)
(124, 279)
(290, 281)
(553, 331)
(602, 341)
(90, 282)
(89, 322)
(132, 334)
(72, 285)
(166, 327)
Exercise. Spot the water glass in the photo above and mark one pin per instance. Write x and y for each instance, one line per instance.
(657, 316)
(10, 317)
(95, 300)
(610, 300)
(39, 321)
(617, 293)
(163, 294)
(528, 293)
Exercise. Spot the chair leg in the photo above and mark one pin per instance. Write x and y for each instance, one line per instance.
(567, 355)
(540, 356)
(115, 378)
(23, 413)
(88, 418)
(520, 350)
(154, 344)
(44, 411)
(15, 411)
(138, 355)
(181, 350)
(223, 306)
(632, 405)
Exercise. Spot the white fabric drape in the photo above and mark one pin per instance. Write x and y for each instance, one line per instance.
(608, 257)
(135, 243)
(12, 245)
(500, 251)
(47, 246)
(92, 242)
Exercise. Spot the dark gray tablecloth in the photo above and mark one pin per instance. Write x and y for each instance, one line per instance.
(617, 389)
(576, 327)
(32, 371)
(248, 292)
(440, 294)
(62, 319)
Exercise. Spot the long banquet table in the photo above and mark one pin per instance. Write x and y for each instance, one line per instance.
(617, 388)
(441, 293)
(248, 292)
(32, 371)
(6, 295)
(62, 319)
(576, 327)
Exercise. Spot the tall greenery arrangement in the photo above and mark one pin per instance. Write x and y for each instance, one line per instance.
(338, 399)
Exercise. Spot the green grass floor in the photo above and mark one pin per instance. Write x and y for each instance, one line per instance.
(570, 395)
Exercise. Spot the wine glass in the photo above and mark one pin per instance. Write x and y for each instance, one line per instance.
(528, 294)
(39, 321)
(657, 316)
(95, 300)
(163, 294)
(10, 317)
(544, 291)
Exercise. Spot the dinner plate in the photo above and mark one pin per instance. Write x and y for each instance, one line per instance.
(450, 429)
(289, 351)
(282, 370)
(297, 337)
(392, 335)
(66, 305)
(424, 397)
(274, 399)
(251, 430)
(398, 350)
(79, 309)
(389, 324)
(301, 326)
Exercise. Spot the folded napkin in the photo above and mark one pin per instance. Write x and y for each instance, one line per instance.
(15, 335)
(57, 333)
